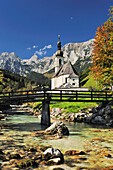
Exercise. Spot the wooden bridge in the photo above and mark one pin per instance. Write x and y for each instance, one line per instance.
(47, 96)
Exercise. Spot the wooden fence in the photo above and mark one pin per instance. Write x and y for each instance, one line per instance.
(56, 95)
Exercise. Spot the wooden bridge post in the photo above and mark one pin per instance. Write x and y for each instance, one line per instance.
(45, 117)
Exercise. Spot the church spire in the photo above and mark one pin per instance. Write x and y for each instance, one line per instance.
(59, 43)
(59, 59)
(59, 51)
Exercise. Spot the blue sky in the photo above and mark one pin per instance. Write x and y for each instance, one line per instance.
(29, 27)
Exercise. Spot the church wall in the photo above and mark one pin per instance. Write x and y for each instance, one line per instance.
(58, 81)
(74, 81)
(53, 83)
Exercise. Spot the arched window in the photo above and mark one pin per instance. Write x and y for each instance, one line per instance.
(60, 62)
(66, 80)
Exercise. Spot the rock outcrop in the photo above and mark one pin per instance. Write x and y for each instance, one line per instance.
(103, 114)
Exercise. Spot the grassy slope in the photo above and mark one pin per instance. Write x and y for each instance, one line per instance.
(86, 80)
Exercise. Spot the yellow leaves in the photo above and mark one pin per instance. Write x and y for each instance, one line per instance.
(102, 54)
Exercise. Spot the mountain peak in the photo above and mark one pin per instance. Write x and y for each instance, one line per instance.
(78, 53)
(34, 57)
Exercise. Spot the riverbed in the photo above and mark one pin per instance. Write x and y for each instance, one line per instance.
(95, 141)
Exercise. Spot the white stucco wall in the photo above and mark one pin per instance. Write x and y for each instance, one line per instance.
(61, 80)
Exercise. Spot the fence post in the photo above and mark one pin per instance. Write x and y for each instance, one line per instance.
(45, 117)
(44, 94)
(76, 95)
(27, 95)
(91, 95)
(106, 95)
(61, 95)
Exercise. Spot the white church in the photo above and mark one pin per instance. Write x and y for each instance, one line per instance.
(65, 76)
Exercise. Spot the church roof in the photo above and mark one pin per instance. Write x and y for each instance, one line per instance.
(67, 69)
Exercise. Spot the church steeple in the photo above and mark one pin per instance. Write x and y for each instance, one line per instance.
(59, 51)
(59, 59)
(59, 43)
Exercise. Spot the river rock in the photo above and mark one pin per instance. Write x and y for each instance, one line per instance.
(74, 152)
(54, 156)
(98, 120)
(102, 115)
(57, 128)
(101, 112)
(108, 109)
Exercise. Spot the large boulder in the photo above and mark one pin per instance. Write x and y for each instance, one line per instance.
(102, 115)
(53, 156)
(98, 120)
(57, 127)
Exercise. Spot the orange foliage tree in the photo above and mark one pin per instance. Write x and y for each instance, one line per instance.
(102, 54)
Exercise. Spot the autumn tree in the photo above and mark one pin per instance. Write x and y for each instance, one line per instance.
(102, 55)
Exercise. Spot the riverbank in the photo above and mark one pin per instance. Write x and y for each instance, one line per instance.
(23, 142)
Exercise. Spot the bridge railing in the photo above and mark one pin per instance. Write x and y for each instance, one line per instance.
(56, 95)
(81, 95)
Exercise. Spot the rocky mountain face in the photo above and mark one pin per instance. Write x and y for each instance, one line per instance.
(75, 52)
(11, 62)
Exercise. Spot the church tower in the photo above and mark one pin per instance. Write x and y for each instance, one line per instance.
(59, 59)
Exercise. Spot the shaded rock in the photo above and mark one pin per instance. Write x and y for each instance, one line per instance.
(2, 157)
(32, 150)
(106, 155)
(101, 112)
(98, 120)
(1, 152)
(94, 110)
(58, 168)
(2, 116)
(57, 127)
(26, 163)
(108, 109)
(110, 123)
(15, 156)
(74, 152)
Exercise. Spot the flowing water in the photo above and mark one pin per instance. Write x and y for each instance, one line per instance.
(95, 141)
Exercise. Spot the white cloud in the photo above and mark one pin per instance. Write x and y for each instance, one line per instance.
(28, 48)
(47, 46)
(35, 46)
(39, 53)
(45, 52)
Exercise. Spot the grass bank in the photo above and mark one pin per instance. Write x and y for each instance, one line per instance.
(72, 107)
(68, 107)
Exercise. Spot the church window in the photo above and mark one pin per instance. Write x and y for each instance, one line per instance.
(66, 80)
(73, 84)
(60, 62)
